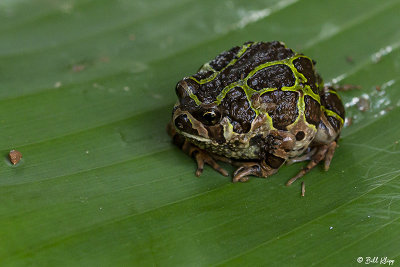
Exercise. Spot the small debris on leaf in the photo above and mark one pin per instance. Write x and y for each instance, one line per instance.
(105, 59)
(347, 87)
(78, 68)
(390, 108)
(348, 121)
(57, 84)
(350, 59)
(303, 189)
(378, 88)
(363, 104)
(15, 156)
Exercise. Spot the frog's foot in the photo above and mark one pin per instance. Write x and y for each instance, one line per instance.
(192, 150)
(201, 157)
(324, 152)
(260, 169)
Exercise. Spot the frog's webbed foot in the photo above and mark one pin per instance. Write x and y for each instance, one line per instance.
(324, 152)
(202, 157)
(260, 169)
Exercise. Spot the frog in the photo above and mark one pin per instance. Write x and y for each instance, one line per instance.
(257, 106)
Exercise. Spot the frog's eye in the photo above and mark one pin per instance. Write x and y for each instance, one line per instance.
(211, 117)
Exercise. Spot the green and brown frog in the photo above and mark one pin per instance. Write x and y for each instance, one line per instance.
(257, 106)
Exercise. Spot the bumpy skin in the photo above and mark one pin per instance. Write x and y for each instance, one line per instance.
(257, 106)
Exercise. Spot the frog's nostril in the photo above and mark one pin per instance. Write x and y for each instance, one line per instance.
(180, 89)
(186, 87)
(183, 124)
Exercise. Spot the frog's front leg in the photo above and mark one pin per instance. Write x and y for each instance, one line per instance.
(201, 156)
(328, 132)
(263, 168)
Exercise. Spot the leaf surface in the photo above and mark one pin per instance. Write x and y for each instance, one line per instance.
(87, 88)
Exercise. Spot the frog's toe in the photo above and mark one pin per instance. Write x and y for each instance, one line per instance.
(203, 157)
(259, 169)
(324, 152)
(329, 155)
(242, 173)
(200, 165)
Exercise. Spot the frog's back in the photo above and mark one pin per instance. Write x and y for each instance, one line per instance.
(260, 77)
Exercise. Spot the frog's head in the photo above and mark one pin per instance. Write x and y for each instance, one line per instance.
(201, 122)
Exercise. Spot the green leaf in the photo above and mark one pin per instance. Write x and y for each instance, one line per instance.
(87, 88)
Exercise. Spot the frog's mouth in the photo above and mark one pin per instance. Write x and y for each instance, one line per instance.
(196, 138)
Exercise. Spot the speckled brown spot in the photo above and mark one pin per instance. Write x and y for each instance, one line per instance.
(312, 110)
(305, 67)
(14, 156)
(275, 76)
(284, 109)
(237, 109)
